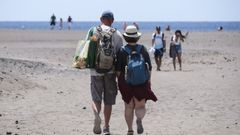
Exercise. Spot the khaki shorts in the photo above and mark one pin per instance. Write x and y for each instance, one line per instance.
(104, 88)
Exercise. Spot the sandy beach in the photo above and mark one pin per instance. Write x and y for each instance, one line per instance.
(41, 94)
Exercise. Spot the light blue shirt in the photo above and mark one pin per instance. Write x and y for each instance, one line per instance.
(158, 44)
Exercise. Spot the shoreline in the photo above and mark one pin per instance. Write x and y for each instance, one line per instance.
(144, 25)
(77, 30)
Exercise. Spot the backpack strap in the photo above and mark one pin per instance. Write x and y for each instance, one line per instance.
(139, 48)
(110, 32)
(99, 29)
(154, 36)
(127, 49)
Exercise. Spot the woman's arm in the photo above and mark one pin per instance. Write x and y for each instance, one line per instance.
(148, 61)
(147, 58)
(119, 62)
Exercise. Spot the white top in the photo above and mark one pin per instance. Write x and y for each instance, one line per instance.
(117, 43)
(176, 42)
(158, 43)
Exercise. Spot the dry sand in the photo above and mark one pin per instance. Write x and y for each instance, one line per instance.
(40, 94)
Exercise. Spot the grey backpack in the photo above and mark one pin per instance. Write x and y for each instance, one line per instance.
(105, 57)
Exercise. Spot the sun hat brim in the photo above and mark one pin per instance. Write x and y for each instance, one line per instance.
(137, 35)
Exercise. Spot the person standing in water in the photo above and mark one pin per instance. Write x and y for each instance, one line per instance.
(69, 22)
(53, 21)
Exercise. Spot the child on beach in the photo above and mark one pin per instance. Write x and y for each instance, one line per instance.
(176, 48)
(134, 97)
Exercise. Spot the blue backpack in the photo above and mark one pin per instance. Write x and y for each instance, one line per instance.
(136, 71)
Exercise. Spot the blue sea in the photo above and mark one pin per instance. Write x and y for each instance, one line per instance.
(144, 26)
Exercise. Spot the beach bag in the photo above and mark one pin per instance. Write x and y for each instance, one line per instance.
(91, 58)
(151, 51)
(172, 50)
(136, 70)
(80, 57)
(105, 57)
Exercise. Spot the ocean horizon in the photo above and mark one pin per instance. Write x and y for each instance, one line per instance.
(144, 26)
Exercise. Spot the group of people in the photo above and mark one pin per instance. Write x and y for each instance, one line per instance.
(159, 45)
(104, 85)
(53, 22)
(134, 23)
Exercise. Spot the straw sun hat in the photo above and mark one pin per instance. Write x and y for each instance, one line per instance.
(131, 32)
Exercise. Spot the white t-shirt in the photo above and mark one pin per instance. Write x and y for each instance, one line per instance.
(116, 41)
(158, 44)
(178, 42)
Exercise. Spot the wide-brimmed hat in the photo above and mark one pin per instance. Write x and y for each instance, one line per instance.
(132, 32)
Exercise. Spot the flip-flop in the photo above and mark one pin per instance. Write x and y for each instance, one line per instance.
(130, 132)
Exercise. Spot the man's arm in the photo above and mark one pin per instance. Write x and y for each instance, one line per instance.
(153, 39)
(118, 41)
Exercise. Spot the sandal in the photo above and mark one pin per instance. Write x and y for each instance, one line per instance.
(139, 126)
(130, 132)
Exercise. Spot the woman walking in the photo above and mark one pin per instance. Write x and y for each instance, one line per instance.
(134, 96)
(176, 48)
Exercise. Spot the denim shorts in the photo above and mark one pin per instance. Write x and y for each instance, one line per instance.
(175, 50)
(158, 52)
(178, 49)
(104, 88)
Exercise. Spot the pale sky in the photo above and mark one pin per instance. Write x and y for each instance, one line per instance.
(124, 10)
